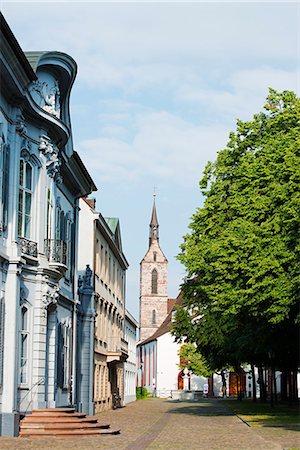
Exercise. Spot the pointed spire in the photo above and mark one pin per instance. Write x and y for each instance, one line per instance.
(153, 234)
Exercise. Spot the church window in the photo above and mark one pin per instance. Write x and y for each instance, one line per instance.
(24, 346)
(153, 316)
(154, 256)
(154, 281)
(25, 199)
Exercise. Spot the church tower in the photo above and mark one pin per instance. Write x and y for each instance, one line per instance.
(153, 283)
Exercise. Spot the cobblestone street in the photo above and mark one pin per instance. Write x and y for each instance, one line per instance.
(169, 425)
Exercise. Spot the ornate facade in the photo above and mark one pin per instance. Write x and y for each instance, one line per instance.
(41, 179)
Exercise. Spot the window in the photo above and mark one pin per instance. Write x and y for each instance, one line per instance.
(154, 256)
(154, 281)
(66, 355)
(49, 216)
(25, 199)
(153, 317)
(4, 181)
(24, 346)
(97, 258)
(63, 355)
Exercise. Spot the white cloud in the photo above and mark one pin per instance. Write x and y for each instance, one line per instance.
(243, 93)
(164, 146)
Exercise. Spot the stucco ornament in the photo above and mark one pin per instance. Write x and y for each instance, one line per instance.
(50, 299)
(53, 161)
(49, 96)
(21, 126)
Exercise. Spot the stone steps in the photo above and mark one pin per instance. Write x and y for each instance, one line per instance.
(48, 419)
(61, 422)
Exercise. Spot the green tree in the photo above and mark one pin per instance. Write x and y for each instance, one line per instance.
(241, 292)
(193, 360)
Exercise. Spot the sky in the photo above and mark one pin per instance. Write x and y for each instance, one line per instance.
(160, 86)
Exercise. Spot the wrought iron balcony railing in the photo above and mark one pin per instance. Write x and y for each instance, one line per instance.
(56, 251)
(28, 247)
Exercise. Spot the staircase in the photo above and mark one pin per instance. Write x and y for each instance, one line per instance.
(61, 422)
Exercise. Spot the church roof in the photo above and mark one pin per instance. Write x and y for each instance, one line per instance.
(166, 325)
(154, 215)
(153, 234)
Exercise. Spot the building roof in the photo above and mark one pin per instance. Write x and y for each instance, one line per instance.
(171, 303)
(112, 222)
(166, 325)
(153, 233)
(33, 58)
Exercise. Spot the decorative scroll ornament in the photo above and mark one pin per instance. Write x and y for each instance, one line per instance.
(20, 126)
(50, 299)
(52, 154)
(49, 96)
(27, 154)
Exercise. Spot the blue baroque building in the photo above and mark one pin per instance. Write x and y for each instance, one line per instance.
(41, 180)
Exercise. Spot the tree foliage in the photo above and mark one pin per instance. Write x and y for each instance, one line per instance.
(193, 360)
(241, 293)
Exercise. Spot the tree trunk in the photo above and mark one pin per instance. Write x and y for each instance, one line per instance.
(275, 388)
(253, 383)
(270, 385)
(294, 387)
(290, 381)
(284, 385)
(263, 394)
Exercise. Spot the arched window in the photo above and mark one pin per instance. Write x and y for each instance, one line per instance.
(153, 317)
(154, 281)
(24, 346)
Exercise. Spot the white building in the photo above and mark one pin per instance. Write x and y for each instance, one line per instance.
(159, 364)
(130, 366)
(41, 179)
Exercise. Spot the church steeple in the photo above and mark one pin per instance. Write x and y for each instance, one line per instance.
(153, 283)
(153, 233)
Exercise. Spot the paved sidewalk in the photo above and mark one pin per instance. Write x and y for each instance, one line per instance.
(169, 425)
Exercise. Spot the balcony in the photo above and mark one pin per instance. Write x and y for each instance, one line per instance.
(56, 253)
(27, 247)
(117, 349)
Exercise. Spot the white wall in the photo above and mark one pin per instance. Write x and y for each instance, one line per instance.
(85, 237)
(167, 365)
